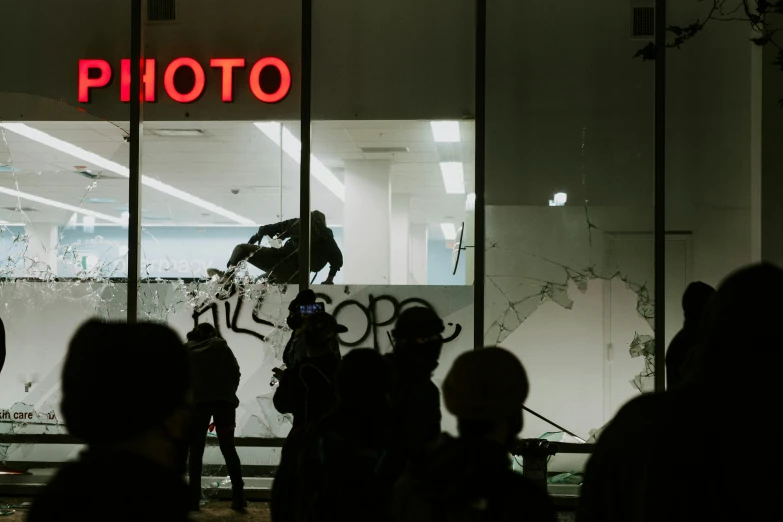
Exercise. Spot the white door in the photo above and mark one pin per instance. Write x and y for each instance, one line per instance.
(624, 310)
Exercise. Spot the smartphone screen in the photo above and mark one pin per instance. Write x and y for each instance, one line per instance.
(311, 308)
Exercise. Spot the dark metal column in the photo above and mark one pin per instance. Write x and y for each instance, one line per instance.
(304, 164)
(138, 11)
(660, 196)
(480, 214)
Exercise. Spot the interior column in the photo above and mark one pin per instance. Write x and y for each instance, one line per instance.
(418, 254)
(41, 256)
(367, 225)
(400, 237)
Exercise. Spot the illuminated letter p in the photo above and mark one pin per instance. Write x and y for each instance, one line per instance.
(86, 83)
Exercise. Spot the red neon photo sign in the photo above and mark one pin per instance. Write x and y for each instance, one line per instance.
(198, 84)
(285, 80)
(86, 83)
(227, 67)
(227, 64)
(148, 79)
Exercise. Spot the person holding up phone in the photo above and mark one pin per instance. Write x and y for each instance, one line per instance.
(307, 391)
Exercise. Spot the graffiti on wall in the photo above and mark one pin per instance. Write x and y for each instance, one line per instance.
(375, 318)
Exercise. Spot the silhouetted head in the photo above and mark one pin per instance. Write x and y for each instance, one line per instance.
(318, 219)
(743, 344)
(294, 319)
(362, 381)
(695, 300)
(202, 332)
(127, 385)
(418, 336)
(320, 334)
(486, 389)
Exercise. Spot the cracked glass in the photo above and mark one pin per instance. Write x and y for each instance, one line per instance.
(569, 283)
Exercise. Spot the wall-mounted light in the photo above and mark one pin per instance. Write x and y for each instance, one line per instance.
(558, 200)
(453, 177)
(470, 202)
(445, 131)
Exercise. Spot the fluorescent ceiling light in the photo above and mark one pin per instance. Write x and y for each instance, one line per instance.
(449, 231)
(445, 131)
(558, 200)
(470, 202)
(293, 147)
(453, 177)
(99, 161)
(57, 204)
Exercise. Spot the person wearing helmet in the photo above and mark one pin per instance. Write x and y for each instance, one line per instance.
(415, 400)
(282, 264)
(470, 477)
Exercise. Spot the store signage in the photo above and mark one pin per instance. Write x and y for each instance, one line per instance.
(96, 74)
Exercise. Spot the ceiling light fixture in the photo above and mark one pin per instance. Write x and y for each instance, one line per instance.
(293, 147)
(99, 161)
(445, 131)
(449, 231)
(58, 204)
(453, 177)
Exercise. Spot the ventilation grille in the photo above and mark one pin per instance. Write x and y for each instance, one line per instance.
(643, 22)
(161, 10)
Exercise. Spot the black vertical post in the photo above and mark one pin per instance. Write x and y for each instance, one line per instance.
(304, 164)
(660, 195)
(480, 214)
(134, 161)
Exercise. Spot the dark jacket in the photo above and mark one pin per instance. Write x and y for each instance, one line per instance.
(323, 248)
(214, 370)
(680, 355)
(306, 389)
(121, 487)
(469, 480)
(639, 470)
(343, 471)
(415, 410)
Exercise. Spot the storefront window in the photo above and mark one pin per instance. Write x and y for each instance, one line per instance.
(569, 248)
(64, 181)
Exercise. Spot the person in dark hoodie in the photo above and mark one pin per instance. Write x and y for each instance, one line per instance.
(306, 390)
(344, 474)
(125, 391)
(679, 356)
(470, 477)
(216, 375)
(415, 399)
(282, 264)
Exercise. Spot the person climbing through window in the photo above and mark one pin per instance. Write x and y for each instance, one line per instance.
(281, 265)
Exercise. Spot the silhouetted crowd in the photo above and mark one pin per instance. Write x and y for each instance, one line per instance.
(366, 441)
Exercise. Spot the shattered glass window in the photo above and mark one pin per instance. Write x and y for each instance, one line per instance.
(569, 283)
